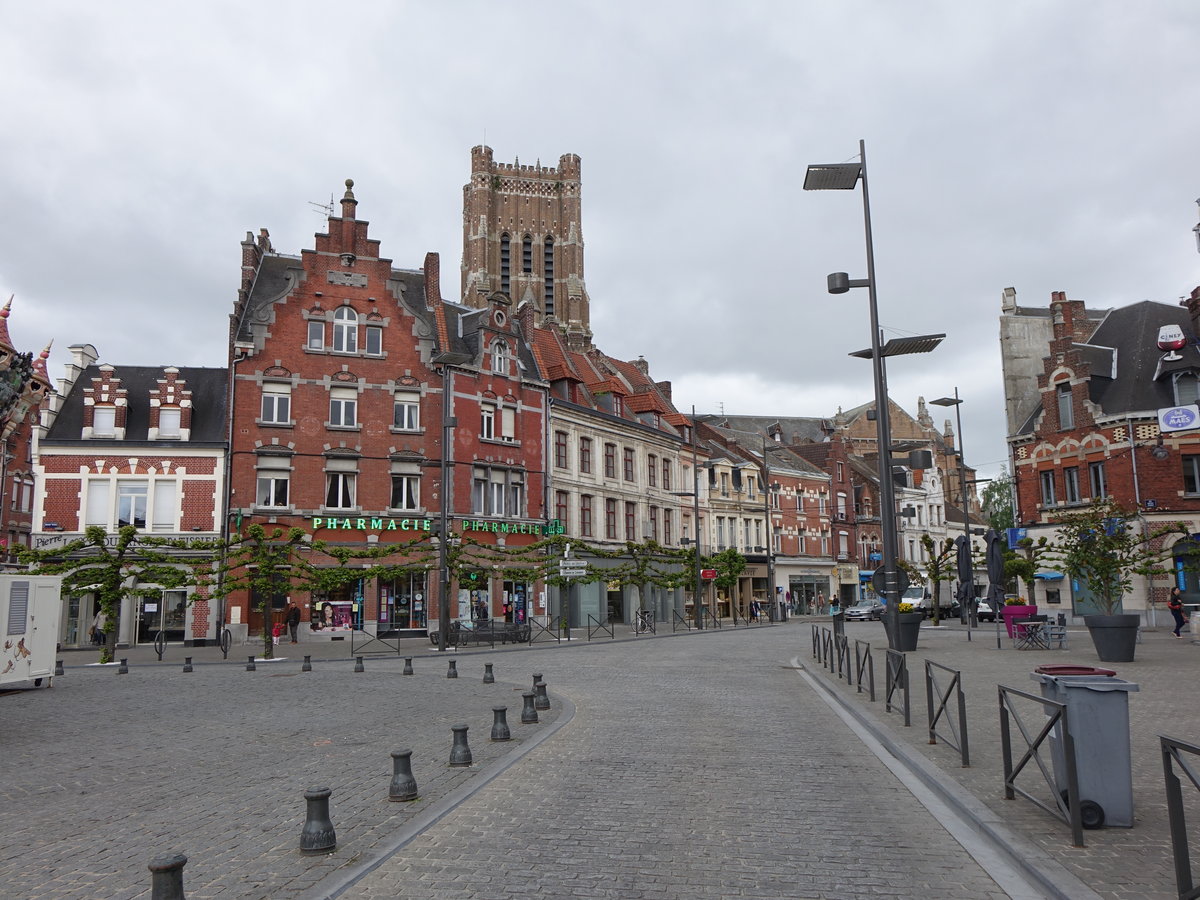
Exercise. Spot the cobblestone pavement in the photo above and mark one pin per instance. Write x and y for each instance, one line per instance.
(1116, 862)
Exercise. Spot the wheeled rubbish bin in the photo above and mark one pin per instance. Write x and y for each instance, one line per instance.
(1098, 717)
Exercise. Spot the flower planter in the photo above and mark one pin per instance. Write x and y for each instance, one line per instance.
(910, 630)
(1016, 613)
(1114, 637)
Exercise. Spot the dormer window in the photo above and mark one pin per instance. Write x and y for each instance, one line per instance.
(1187, 388)
(345, 330)
(500, 358)
(104, 421)
(169, 424)
(1066, 413)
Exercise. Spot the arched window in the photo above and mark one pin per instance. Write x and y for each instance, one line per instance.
(1187, 390)
(345, 330)
(505, 251)
(527, 254)
(500, 357)
(548, 273)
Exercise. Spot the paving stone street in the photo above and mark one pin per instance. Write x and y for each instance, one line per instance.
(727, 763)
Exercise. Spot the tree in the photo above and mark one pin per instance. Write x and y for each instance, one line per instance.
(730, 564)
(1024, 562)
(997, 502)
(113, 567)
(939, 566)
(1099, 546)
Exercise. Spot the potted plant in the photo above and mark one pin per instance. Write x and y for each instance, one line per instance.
(1100, 547)
(1016, 609)
(910, 627)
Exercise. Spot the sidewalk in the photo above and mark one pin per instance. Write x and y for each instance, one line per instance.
(1117, 862)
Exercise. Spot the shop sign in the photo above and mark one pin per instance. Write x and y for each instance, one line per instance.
(385, 524)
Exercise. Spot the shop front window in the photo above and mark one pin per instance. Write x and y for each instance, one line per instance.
(402, 603)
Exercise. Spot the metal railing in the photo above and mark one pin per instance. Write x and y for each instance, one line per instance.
(540, 632)
(678, 619)
(643, 622)
(864, 661)
(595, 626)
(897, 683)
(816, 641)
(957, 736)
(711, 619)
(1173, 756)
(827, 649)
(362, 639)
(841, 648)
(1066, 808)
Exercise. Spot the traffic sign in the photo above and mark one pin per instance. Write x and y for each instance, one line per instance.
(572, 568)
(888, 587)
(708, 574)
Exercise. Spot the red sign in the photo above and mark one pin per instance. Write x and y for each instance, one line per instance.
(708, 574)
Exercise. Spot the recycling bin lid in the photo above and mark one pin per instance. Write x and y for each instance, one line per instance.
(1066, 669)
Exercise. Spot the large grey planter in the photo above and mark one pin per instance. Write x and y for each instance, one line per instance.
(910, 630)
(1115, 637)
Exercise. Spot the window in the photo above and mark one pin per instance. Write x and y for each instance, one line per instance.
(610, 460)
(516, 494)
(560, 449)
(1048, 496)
(653, 523)
(841, 476)
(561, 508)
(668, 533)
(345, 330)
(548, 274)
(339, 490)
(630, 520)
(163, 515)
(585, 515)
(406, 491)
(505, 252)
(666, 474)
(1191, 474)
(527, 254)
(497, 492)
(272, 489)
(746, 532)
(96, 513)
(343, 407)
(652, 470)
(104, 421)
(628, 463)
(1098, 479)
(131, 503)
(508, 424)
(585, 455)
(169, 421)
(500, 358)
(487, 422)
(610, 519)
(1066, 413)
(276, 404)
(316, 334)
(1071, 484)
(406, 412)
(374, 339)
(685, 528)
(1187, 389)
(720, 532)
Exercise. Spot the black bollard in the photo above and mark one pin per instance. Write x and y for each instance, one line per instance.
(460, 753)
(408, 669)
(537, 676)
(250, 667)
(187, 664)
(529, 712)
(500, 730)
(403, 786)
(318, 835)
(488, 677)
(541, 700)
(306, 666)
(123, 668)
(58, 667)
(166, 882)
(358, 664)
(452, 672)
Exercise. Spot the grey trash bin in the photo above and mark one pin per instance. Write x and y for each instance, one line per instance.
(1098, 716)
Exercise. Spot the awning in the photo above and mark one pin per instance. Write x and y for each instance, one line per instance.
(1049, 576)
(865, 574)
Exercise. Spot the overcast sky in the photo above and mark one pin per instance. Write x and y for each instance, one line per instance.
(1041, 145)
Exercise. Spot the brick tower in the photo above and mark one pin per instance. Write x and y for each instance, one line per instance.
(522, 235)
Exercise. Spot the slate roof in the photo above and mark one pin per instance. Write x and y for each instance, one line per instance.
(209, 388)
(796, 429)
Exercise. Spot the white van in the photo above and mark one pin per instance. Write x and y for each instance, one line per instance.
(30, 608)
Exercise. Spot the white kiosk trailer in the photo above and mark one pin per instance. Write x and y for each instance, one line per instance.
(29, 614)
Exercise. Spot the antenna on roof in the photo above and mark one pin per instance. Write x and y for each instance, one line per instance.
(721, 407)
(325, 209)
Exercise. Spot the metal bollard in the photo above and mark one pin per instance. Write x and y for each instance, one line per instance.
(537, 676)
(529, 714)
(318, 835)
(403, 786)
(58, 667)
(500, 730)
(123, 668)
(541, 700)
(488, 676)
(358, 664)
(306, 666)
(460, 753)
(250, 667)
(452, 672)
(166, 880)
(408, 669)
(187, 664)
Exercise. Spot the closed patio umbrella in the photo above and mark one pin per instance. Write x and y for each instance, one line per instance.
(966, 581)
(994, 560)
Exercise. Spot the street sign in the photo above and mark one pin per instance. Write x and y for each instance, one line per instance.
(886, 587)
(572, 568)
(708, 574)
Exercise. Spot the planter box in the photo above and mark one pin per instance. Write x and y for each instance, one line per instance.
(1011, 613)
(1114, 637)
(910, 630)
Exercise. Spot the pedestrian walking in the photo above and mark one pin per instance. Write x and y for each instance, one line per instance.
(820, 603)
(99, 623)
(293, 621)
(1175, 605)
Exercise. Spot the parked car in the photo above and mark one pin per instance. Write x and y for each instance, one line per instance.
(866, 610)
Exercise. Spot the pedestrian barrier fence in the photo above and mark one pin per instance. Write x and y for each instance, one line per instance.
(360, 641)
(1054, 725)
(677, 620)
(1176, 754)
(541, 631)
(711, 620)
(939, 712)
(863, 661)
(595, 626)
(896, 682)
(816, 641)
(841, 649)
(643, 622)
(827, 649)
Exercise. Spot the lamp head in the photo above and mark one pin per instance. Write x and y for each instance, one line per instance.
(838, 283)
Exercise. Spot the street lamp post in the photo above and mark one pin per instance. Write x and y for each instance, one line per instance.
(845, 177)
